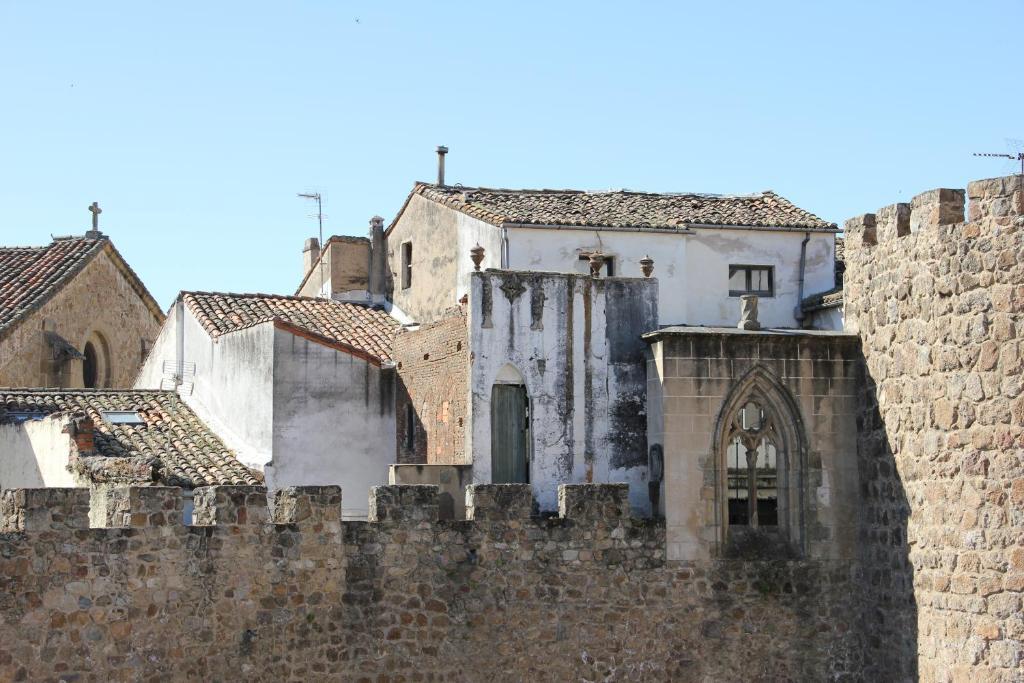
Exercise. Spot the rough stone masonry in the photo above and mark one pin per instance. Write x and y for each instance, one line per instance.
(939, 306)
(304, 596)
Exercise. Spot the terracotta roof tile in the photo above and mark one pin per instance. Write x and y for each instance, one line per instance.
(623, 208)
(183, 449)
(31, 275)
(370, 330)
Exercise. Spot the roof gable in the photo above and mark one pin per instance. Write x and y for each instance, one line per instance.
(366, 330)
(623, 209)
(31, 276)
(182, 448)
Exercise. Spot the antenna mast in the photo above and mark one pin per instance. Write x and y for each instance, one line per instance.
(320, 224)
(1019, 156)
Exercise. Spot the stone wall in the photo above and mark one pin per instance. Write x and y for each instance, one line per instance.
(303, 596)
(939, 306)
(433, 380)
(100, 302)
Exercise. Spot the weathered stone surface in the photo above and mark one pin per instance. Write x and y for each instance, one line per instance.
(405, 598)
(941, 442)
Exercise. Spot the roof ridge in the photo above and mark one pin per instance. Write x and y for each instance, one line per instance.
(265, 295)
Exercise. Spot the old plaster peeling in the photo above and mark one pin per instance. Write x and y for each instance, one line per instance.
(583, 381)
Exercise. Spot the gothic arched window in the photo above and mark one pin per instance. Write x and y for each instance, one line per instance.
(761, 456)
(752, 468)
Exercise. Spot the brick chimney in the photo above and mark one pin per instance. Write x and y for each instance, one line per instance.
(310, 254)
(80, 428)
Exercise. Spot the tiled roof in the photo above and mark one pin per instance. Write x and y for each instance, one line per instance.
(181, 447)
(623, 208)
(31, 275)
(829, 299)
(359, 327)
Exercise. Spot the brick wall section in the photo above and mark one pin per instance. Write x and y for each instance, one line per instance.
(939, 306)
(99, 298)
(433, 377)
(502, 597)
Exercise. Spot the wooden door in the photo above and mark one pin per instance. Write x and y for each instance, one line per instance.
(510, 432)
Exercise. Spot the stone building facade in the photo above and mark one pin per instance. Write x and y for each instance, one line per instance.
(301, 595)
(73, 314)
(939, 306)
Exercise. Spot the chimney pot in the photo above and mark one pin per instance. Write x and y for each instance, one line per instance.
(441, 151)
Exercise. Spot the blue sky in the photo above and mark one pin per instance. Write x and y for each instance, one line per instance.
(194, 124)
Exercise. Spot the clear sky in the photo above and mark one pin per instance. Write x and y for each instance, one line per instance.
(195, 123)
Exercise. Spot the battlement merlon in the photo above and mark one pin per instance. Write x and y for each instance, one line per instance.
(46, 509)
(995, 201)
(595, 503)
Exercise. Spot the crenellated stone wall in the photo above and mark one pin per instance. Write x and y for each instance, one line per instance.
(939, 306)
(304, 596)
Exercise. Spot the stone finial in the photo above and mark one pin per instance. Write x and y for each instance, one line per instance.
(477, 254)
(748, 313)
(647, 266)
(596, 261)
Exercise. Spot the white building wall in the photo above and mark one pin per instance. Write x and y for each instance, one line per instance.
(710, 252)
(232, 387)
(334, 421)
(558, 251)
(580, 390)
(35, 454)
(692, 269)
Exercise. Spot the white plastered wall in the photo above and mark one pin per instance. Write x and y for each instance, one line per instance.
(35, 453)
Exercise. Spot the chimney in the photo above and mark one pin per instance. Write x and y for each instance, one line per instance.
(378, 260)
(310, 253)
(81, 430)
(441, 151)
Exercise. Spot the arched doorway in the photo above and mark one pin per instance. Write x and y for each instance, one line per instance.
(510, 428)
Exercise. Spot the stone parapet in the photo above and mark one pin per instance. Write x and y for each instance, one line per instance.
(594, 502)
(309, 506)
(51, 509)
(492, 502)
(502, 596)
(230, 505)
(403, 504)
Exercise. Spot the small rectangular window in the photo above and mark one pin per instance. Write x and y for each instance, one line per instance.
(406, 265)
(122, 417)
(410, 428)
(759, 280)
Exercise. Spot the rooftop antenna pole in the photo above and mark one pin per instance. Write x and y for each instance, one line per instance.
(1019, 156)
(320, 223)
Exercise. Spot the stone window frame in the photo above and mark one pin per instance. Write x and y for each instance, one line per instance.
(762, 387)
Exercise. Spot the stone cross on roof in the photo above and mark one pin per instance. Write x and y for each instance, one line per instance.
(95, 209)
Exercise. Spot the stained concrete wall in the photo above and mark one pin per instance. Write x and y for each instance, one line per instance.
(809, 380)
(334, 419)
(575, 341)
(99, 300)
(441, 239)
(693, 269)
(35, 453)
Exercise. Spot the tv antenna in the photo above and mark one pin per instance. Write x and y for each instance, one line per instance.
(1019, 156)
(319, 215)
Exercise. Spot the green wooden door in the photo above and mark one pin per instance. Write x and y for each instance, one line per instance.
(510, 427)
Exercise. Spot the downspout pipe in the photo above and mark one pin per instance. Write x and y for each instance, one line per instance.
(798, 312)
